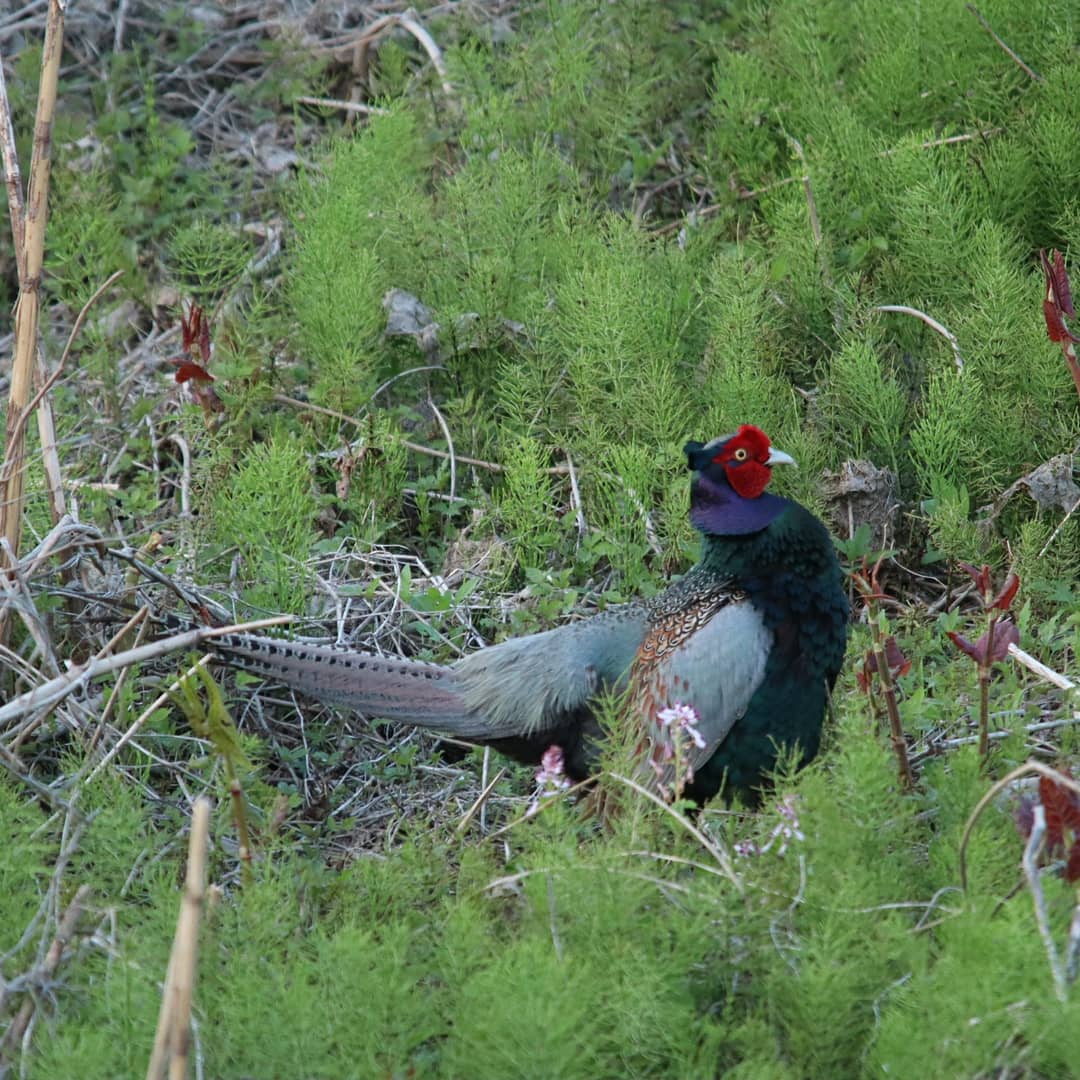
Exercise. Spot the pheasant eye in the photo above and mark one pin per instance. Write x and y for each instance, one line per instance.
(741, 454)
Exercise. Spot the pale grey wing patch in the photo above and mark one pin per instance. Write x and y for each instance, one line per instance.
(528, 685)
(716, 671)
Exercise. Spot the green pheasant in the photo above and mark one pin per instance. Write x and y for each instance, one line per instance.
(751, 639)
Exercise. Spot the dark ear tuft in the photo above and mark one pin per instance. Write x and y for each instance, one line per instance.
(691, 450)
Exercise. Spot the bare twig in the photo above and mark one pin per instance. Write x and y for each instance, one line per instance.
(346, 106)
(951, 140)
(1072, 950)
(48, 694)
(12, 178)
(1062, 523)
(490, 466)
(808, 190)
(410, 21)
(141, 719)
(723, 859)
(947, 334)
(1059, 778)
(45, 974)
(575, 501)
(1031, 871)
(1029, 71)
(997, 736)
(481, 800)
(1040, 669)
(449, 445)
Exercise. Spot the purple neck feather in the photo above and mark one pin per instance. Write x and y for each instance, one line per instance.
(716, 509)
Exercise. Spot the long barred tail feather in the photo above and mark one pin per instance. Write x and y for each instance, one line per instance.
(423, 694)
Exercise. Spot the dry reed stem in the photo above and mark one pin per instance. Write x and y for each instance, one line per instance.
(12, 178)
(28, 306)
(173, 1036)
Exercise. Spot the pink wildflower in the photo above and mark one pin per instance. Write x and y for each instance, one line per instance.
(551, 777)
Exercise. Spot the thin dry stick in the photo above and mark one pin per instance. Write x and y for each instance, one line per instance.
(951, 140)
(1062, 523)
(145, 715)
(29, 301)
(55, 690)
(1029, 71)
(947, 334)
(407, 20)
(12, 177)
(481, 800)
(449, 445)
(1030, 864)
(811, 204)
(540, 807)
(1072, 952)
(719, 854)
(46, 973)
(1040, 669)
(64, 934)
(347, 106)
(490, 466)
(46, 427)
(995, 736)
(173, 1036)
(1059, 778)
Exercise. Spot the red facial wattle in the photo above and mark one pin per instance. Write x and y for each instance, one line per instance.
(744, 459)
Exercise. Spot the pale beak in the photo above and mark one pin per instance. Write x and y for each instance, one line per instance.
(778, 457)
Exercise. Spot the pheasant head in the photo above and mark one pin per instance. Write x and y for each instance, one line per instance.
(728, 496)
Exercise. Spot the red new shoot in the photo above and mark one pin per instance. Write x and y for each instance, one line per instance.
(885, 661)
(993, 646)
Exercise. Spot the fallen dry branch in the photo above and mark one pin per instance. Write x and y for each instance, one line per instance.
(50, 693)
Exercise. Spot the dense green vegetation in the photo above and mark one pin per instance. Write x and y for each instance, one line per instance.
(633, 224)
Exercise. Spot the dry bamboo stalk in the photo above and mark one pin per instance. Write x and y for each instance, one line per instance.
(173, 1036)
(28, 306)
